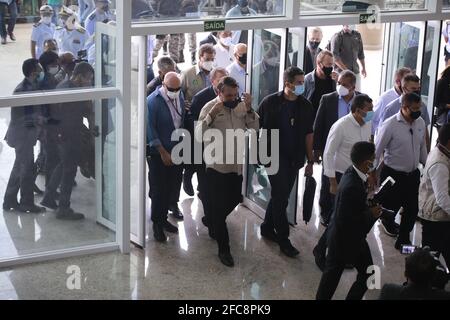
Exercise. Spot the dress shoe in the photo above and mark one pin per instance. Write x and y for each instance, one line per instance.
(319, 258)
(187, 186)
(3, 40)
(390, 228)
(158, 232)
(169, 227)
(49, 203)
(175, 211)
(10, 206)
(12, 36)
(68, 214)
(30, 208)
(288, 249)
(323, 221)
(268, 234)
(227, 259)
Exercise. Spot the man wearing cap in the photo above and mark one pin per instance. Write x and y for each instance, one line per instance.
(42, 31)
(71, 37)
(100, 14)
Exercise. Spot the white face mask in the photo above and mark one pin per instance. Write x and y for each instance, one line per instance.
(226, 41)
(173, 95)
(53, 70)
(46, 20)
(342, 91)
(208, 65)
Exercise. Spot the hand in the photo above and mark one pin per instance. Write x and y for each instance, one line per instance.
(333, 186)
(317, 156)
(165, 157)
(364, 72)
(372, 181)
(187, 106)
(334, 75)
(247, 100)
(218, 107)
(309, 170)
(376, 211)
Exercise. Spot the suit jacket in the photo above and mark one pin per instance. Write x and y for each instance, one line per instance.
(199, 101)
(309, 64)
(352, 219)
(411, 292)
(310, 85)
(327, 115)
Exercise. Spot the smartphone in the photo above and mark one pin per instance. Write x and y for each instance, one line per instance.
(408, 249)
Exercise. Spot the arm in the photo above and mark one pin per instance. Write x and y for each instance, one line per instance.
(335, 49)
(33, 49)
(439, 176)
(381, 141)
(333, 143)
(152, 126)
(424, 148)
(361, 58)
(319, 125)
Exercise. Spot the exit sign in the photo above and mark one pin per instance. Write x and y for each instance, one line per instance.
(214, 25)
(367, 18)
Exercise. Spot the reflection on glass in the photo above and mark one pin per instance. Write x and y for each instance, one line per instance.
(66, 156)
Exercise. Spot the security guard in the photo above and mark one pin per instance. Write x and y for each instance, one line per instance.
(71, 37)
(42, 31)
(100, 14)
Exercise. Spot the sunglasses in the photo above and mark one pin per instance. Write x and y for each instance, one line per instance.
(173, 89)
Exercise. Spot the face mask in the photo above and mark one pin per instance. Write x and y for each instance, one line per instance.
(208, 65)
(226, 41)
(342, 91)
(243, 3)
(231, 104)
(41, 76)
(327, 71)
(173, 95)
(415, 114)
(314, 45)
(299, 89)
(243, 59)
(53, 70)
(46, 20)
(417, 92)
(369, 116)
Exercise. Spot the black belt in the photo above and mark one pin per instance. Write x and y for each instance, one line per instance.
(401, 173)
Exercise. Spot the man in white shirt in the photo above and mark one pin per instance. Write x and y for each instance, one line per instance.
(224, 49)
(388, 96)
(238, 69)
(347, 131)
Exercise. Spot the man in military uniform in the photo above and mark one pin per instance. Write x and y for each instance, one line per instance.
(43, 30)
(100, 14)
(85, 7)
(71, 37)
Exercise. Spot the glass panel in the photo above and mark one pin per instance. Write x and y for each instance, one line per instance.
(72, 159)
(164, 10)
(343, 6)
(296, 44)
(446, 4)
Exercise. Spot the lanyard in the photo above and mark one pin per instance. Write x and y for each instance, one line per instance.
(174, 105)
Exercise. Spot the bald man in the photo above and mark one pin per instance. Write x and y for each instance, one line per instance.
(238, 69)
(165, 115)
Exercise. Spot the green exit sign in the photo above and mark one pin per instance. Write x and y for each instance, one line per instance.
(214, 25)
(367, 18)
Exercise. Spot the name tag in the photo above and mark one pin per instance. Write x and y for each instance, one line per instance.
(77, 41)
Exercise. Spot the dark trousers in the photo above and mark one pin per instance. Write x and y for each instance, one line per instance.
(322, 244)
(224, 192)
(335, 265)
(22, 175)
(163, 180)
(405, 193)
(68, 152)
(12, 8)
(51, 154)
(436, 235)
(326, 198)
(203, 191)
(281, 186)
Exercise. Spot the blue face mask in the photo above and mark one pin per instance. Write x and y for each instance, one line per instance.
(299, 89)
(369, 116)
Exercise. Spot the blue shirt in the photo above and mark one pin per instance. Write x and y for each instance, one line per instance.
(344, 107)
(385, 99)
(395, 106)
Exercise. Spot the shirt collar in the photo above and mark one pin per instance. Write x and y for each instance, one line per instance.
(198, 70)
(351, 100)
(360, 174)
(353, 120)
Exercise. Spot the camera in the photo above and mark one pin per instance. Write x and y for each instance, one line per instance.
(408, 249)
(82, 56)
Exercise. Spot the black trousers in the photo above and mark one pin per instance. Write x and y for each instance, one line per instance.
(322, 244)
(281, 186)
(335, 265)
(22, 175)
(163, 181)
(203, 190)
(68, 152)
(436, 235)
(224, 192)
(326, 198)
(405, 193)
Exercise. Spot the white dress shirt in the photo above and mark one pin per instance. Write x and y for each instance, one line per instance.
(223, 56)
(343, 135)
(439, 177)
(239, 74)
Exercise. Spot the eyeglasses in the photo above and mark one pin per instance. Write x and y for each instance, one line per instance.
(173, 89)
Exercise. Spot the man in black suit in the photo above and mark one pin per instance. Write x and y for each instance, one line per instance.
(332, 107)
(351, 222)
(198, 102)
(315, 37)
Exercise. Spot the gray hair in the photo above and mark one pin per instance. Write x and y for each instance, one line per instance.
(214, 72)
(349, 75)
(166, 64)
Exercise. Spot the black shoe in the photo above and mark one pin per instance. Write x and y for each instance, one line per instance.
(158, 232)
(30, 208)
(12, 36)
(288, 249)
(10, 206)
(193, 59)
(187, 186)
(401, 242)
(319, 258)
(68, 214)
(226, 259)
(389, 228)
(205, 221)
(175, 211)
(268, 234)
(37, 191)
(49, 203)
(169, 227)
(323, 221)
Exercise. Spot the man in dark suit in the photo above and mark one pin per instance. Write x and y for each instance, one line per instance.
(351, 222)
(332, 107)
(22, 134)
(315, 37)
(198, 102)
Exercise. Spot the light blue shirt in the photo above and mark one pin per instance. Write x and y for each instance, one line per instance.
(42, 32)
(344, 107)
(395, 106)
(402, 144)
(385, 99)
(95, 16)
(239, 74)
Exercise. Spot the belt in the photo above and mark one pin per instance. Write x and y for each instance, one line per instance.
(401, 173)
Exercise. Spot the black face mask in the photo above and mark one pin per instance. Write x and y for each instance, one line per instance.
(417, 92)
(327, 71)
(415, 114)
(243, 59)
(232, 104)
(314, 45)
